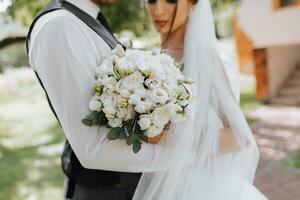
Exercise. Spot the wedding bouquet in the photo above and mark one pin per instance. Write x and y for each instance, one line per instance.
(138, 94)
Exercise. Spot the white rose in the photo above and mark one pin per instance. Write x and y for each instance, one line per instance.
(150, 103)
(135, 99)
(95, 105)
(110, 112)
(128, 113)
(153, 131)
(182, 93)
(107, 100)
(119, 50)
(121, 102)
(156, 51)
(159, 95)
(124, 66)
(110, 82)
(160, 116)
(176, 112)
(153, 83)
(133, 81)
(166, 59)
(141, 91)
(141, 107)
(96, 97)
(104, 68)
(115, 122)
(125, 93)
(145, 122)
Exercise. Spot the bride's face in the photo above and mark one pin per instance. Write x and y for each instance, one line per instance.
(169, 15)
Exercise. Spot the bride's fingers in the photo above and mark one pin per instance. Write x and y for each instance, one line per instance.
(156, 139)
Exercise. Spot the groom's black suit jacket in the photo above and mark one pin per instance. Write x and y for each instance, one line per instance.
(72, 168)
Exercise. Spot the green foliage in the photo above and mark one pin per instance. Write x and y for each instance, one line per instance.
(25, 11)
(122, 14)
(127, 14)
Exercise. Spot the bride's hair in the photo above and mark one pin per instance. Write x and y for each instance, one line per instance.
(173, 20)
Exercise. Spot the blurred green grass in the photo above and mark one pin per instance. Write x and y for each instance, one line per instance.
(294, 161)
(30, 144)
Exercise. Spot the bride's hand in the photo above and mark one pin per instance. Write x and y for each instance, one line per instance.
(156, 139)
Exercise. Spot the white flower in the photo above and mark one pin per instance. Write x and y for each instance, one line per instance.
(96, 97)
(109, 82)
(159, 95)
(153, 83)
(105, 68)
(124, 66)
(150, 103)
(95, 105)
(119, 51)
(176, 112)
(166, 59)
(155, 51)
(141, 108)
(153, 131)
(182, 93)
(160, 116)
(124, 93)
(145, 122)
(146, 64)
(115, 122)
(110, 112)
(127, 113)
(141, 91)
(107, 99)
(133, 81)
(120, 101)
(135, 99)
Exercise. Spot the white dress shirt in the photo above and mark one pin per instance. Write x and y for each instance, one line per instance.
(65, 52)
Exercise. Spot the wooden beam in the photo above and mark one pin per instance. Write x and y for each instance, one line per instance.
(261, 73)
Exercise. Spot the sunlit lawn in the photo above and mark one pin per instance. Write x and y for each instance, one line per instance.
(31, 142)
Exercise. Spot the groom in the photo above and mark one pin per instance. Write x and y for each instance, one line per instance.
(65, 44)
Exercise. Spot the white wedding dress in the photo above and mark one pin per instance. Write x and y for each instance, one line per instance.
(194, 167)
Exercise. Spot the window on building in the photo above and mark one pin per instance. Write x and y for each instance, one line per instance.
(285, 3)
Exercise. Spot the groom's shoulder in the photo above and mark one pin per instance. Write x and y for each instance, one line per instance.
(57, 22)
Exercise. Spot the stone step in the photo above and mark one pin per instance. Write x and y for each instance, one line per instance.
(290, 91)
(284, 100)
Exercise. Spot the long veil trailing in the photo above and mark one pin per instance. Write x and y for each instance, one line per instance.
(192, 166)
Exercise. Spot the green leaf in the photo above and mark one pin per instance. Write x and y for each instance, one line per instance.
(114, 133)
(90, 119)
(87, 122)
(136, 147)
(144, 138)
(132, 138)
(122, 135)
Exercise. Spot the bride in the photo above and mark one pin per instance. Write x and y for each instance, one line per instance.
(213, 154)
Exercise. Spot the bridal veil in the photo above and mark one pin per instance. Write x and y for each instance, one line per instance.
(193, 166)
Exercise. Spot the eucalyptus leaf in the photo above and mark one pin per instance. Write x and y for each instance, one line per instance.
(136, 147)
(114, 133)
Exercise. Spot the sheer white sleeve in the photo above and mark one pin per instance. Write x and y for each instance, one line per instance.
(65, 57)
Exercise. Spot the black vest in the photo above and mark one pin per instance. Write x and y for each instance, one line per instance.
(70, 163)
